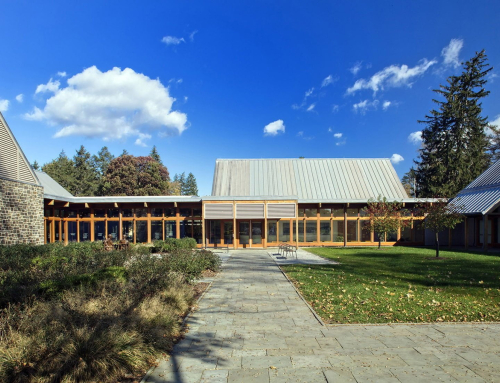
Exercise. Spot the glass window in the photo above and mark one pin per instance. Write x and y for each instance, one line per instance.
(406, 234)
(141, 213)
(128, 230)
(113, 230)
(84, 231)
(113, 213)
(48, 226)
(325, 231)
(338, 231)
(392, 237)
(170, 229)
(301, 212)
(352, 231)
(99, 213)
(57, 213)
(156, 230)
(127, 213)
(185, 212)
(244, 233)
(63, 231)
(257, 232)
(141, 235)
(72, 231)
(418, 231)
(301, 230)
(71, 213)
(170, 212)
(48, 212)
(228, 233)
(214, 227)
(84, 213)
(311, 212)
(197, 231)
(196, 212)
(363, 213)
(284, 231)
(99, 231)
(365, 231)
(272, 231)
(352, 212)
(156, 212)
(57, 225)
(185, 229)
(311, 231)
(325, 212)
(338, 212)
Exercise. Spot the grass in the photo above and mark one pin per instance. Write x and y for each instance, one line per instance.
(401, 284)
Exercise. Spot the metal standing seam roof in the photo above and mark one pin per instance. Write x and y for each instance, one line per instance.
(50, 186)
(308, 179)
(482, 194)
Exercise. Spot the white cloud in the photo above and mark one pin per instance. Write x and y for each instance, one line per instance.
(335, 108)
(20, 98)
(451, 51)
(51, 86)
(397, 158)
(4, 105)
(392, 76)
(140, 140)
(386, 105)
(328, 80)
(309, 92)
(496, 123)
(274, 128)
(356, 68)
(330, 130)
(62, 74)
(112, 105)
(172, 40)
(191, 35)
(300, 134)
(415, 137)
(364, 106)
(310, 108)
(337, 135)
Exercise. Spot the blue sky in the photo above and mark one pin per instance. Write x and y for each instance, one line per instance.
(216, 79)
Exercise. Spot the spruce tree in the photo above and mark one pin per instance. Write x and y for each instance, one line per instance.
(454, 150)
(101, 162)
(190, 186)
(35, 165)
(85, 174)
(62, 171)
(155, 155)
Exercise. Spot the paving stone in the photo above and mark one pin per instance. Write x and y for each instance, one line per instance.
(231, 363)
(373, 375)
(337, 375)
(249, 376)
(463, 374)
(296, 375)
(217, 376)
(266, 362)
(421, 374)
(310, 361)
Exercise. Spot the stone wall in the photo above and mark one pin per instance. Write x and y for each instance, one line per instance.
(21, 213)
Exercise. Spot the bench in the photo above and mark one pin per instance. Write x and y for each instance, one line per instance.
(286, 249)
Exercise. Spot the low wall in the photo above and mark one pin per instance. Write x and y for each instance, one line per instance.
(21, 213)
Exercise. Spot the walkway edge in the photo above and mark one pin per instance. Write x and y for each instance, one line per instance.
(300, 295)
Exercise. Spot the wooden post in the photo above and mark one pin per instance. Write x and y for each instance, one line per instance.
(66, 234)
(92, 225)
(204, 241)
(345, 225)
(120, 228)
(297, 223)
(149, 223)
(265, 225)
(234, 225)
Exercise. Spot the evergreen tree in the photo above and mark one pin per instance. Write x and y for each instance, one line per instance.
(85, 174)
(409, 183)
(155, 155)
(124, 153)
(495, 143)
(62, 171)
(100, 162)
(35, 165)
(190, 186)
(455, 145)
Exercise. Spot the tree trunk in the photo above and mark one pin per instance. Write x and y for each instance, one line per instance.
(379, 242)
(437, 245)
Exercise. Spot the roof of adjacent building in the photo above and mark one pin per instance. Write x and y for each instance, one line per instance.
(315, 179)
(13, 163)
(483, 194)
(51, 187)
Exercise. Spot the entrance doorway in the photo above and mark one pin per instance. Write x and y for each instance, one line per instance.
(219, 232)
(250, 233)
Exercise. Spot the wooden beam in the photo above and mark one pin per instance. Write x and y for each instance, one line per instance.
(87, 205)
(145, 204)
(66, 204)
(115, 204)
(51, 203)
(175, 204)
(320, 205)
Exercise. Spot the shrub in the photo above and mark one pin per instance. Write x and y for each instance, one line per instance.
(170, 245)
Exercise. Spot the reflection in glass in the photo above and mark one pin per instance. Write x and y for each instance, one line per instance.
(244, 233)
(352, 231)
(183, 229)
(156, 212)
(311, 231)
(48, 227)
(113, 213)
(338, 231)
(141, 213)
(113, 230)
(271, 231)
(84, 231)
(156, 230)
(214, 231)
(325, 231)
(170, 212)
(365, 231)
(405, 234)
(99, 213)
(418, 231)
(284, 231)
(352, 212)
(197, 231)
(141, 235)
(228, 233)
(311, 212)
(99, 231)
(257, 232)
(84, 213)
(72, 231)
(57, 225)
(170, 229)
(127, 213)
(185, 212)
(196, 212)
(128, 230)
(325, 212)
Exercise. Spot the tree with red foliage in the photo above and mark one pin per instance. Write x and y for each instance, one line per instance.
(385, 217)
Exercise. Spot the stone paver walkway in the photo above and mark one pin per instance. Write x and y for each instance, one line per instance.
(252, 326)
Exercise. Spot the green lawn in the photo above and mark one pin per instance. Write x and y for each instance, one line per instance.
(401, 284)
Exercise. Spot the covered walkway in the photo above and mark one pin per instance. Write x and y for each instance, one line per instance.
(251, 326)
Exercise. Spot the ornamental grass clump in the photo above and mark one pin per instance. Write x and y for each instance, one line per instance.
(98, 317)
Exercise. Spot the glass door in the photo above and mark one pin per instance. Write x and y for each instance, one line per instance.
(256, 233)
(228, 233)
(214, 234)
(244, 233)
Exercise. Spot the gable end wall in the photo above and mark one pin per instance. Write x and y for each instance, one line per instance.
(21, 213)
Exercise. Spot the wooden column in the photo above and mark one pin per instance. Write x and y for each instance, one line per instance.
(66, 234)
(297, 224)
(345, 225)
(120, 228)
(234, 225)
(92, 225)
(265, 225)
(204, 241)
